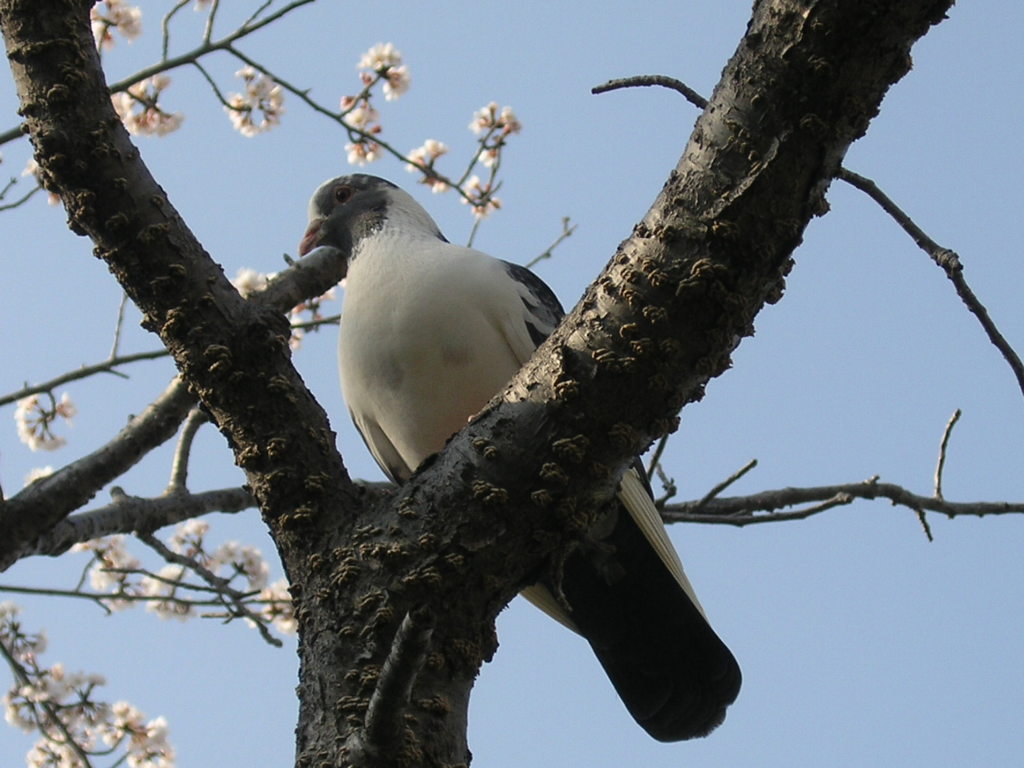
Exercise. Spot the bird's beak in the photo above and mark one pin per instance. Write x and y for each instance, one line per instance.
(311, 239)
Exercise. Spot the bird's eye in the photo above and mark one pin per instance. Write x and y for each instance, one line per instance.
(343, 193)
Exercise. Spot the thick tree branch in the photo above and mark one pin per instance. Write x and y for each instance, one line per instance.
(41, 505)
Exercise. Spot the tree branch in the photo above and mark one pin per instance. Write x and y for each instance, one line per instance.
(643, 80)
(383, 731)
(127, 514)
(41, 505)
(948, 260)
(764, 507)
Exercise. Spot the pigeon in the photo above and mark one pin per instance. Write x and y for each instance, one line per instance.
(430, 332)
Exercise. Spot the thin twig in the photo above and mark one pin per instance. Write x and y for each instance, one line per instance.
(659, 449)
(233, 600)
(107, 366)
(103, 597)
(713, 493)
(118, 326)
(924, 524)
(211, 17)
(165, 30)
(23, 199)
(945, 258)
(549, 251)
(643, 80)
(942, 452)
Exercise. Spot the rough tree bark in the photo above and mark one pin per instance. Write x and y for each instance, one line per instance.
(396, 594)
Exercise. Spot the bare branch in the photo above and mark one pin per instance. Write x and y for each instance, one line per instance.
(128, 514)
(21, 200)
(764, 507)
(945, 258)
(713, 493)
(942, 451)
(107, 366)
(549, 251)
(643, 80)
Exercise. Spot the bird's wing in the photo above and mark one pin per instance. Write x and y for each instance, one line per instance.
(637, 499)
(380, 446)
(542, 312)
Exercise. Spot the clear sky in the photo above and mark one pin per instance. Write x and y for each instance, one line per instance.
(861, 642)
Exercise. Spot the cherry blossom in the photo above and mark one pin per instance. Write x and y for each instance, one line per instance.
(35, 421)
(124, 18)
(262, 96)
(140, 111)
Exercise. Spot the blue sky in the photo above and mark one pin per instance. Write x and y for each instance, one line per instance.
(860, 641)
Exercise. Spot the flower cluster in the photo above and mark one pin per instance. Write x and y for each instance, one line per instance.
(381, 64)
(262, 96)
(249, 281)
(60, 705)
(35, 421)
(494, 128)
(140, 110)
(385, 62)
(423, 158)
(126, 19)
(112, 570)
(168, 592)
(480, 195)
(278, 608)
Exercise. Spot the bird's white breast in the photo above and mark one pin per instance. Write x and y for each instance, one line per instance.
(421, 346)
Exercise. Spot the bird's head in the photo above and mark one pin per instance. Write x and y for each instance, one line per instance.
(347, 209)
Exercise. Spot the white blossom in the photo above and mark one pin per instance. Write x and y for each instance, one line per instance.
(363, 152)
(35, 421)
(163, 585)
(124, 18)
(38, 473)
(108, 571)
(480, 198)
(249, 281)
(140, 110)
(396, 82)
(489, 118)
(424, 157)
(262, 96)
(363, 116)
(380, 57)
(279, 609)
(245, 559)
(426, 154)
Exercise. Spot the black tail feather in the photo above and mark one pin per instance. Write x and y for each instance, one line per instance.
(673, 673)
